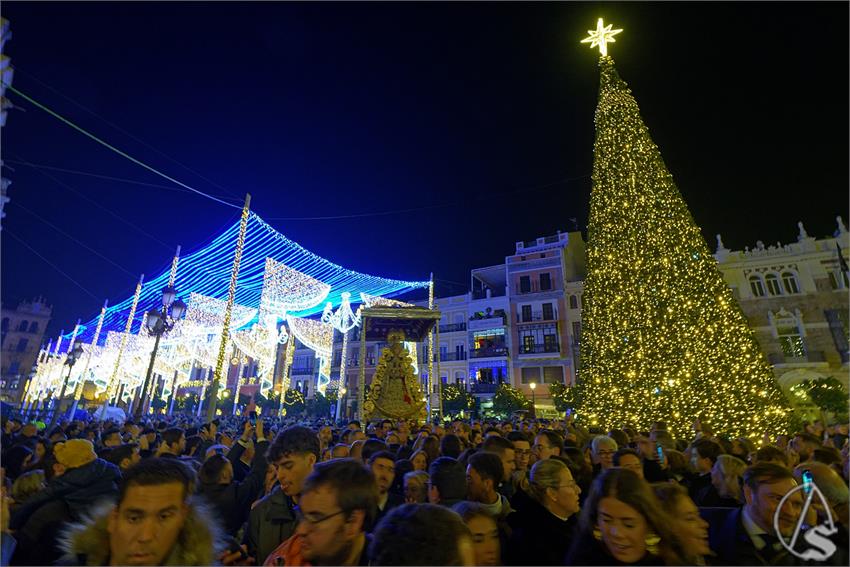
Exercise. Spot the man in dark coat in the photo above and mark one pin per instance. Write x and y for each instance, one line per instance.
(81, 481)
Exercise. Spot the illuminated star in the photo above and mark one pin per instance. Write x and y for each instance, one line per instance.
(601, 36)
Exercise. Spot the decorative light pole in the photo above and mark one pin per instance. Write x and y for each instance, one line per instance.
(533, 385)
(158, 323)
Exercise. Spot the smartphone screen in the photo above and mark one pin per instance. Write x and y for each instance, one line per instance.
(807, 481)
(659, 451)
(252, 417)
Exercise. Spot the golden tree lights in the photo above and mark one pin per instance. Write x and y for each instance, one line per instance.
(662, 336)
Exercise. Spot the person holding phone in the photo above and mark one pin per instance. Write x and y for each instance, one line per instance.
(231, 498)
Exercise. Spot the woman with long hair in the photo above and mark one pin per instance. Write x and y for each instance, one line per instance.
(688, 525)
(622, 523)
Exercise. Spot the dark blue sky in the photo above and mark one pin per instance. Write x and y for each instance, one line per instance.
(329, 109)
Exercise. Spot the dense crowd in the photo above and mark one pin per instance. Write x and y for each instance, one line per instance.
(175, 491)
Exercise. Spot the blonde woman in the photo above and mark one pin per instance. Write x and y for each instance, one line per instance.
(726, 479)
(542, 530)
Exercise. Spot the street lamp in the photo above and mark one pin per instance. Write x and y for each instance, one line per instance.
(339, 396)
(158, 323)
(73, 356)
(533, 385)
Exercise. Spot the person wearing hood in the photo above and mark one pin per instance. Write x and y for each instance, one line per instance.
(154, 522)
(79, 481)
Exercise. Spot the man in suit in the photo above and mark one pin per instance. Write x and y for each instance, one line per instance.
(704, 453)
(746, 535)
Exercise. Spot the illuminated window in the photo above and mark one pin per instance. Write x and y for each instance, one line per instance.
(789, 280)
(773, 287)
(757, 286)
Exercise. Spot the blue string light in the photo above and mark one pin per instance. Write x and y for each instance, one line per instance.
(207, 272)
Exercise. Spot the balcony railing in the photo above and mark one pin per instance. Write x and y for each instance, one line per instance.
(488, 352)
(451, 356)
(811, 356)
(483, 388)
(533, 287)
(302, 370)
(537, 316)
(453, 328)
(538, 349)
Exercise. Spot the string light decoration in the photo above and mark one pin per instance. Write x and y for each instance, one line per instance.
(343, 320)
(662, 336)
(285, 378)
(113, 382)
(92, 349)
(207, 270)
(377, 301)
(286, 289)
(319, 337)
(217, 382)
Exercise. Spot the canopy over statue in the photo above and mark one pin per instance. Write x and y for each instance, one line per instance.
(395, 391)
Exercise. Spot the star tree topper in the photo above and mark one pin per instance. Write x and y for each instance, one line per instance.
(601, 36)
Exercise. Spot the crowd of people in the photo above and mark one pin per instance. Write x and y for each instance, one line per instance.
(175, 491)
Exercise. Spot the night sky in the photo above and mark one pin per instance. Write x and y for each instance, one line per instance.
(477, 115)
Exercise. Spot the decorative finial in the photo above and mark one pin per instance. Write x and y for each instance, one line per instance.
(841, 228)
(720, 245)
(601, 36)
(803, 234)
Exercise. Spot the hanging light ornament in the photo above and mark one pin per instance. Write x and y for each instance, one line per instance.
(343, 319)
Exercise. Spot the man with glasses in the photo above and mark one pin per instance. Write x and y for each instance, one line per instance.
(602, 453)
(546, 444)
(337, 507)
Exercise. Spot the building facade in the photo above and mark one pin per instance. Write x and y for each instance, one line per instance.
(795, 297)
(22, 330)
(520, 323)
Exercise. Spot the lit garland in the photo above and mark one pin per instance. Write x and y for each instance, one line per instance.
(286, 289)
(376, 301)
(662, 335)
(207, 272)
(285, 379)
(112, 385)
(318, 337)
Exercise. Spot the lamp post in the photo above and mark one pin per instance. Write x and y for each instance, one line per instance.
(159, 322)
(339, 396)
(73, 356)
(533, 385)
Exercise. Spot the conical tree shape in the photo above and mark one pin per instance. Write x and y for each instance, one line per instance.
(662, 336)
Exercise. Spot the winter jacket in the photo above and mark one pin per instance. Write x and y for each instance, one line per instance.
(200, 542)
(538, 536)
(270, 523)
(232, 502)
(79, 488)
(37, 542)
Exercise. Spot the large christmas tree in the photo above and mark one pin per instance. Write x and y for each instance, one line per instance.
(662, 336)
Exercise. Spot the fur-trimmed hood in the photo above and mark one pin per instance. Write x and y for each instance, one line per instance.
(201, 541)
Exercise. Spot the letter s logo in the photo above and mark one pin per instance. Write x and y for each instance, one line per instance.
(822, 547)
